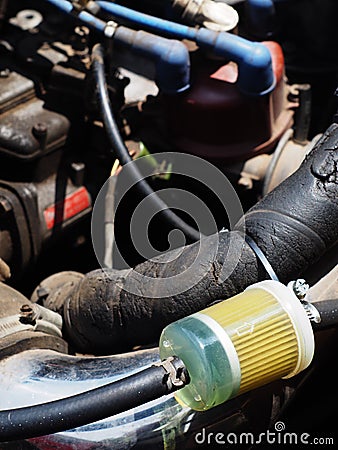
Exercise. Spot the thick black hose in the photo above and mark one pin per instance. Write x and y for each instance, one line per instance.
(119, 148)
(328, 310)
(297, 222)
(293, 225)
(91, 406)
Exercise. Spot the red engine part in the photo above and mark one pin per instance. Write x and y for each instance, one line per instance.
(216, 121)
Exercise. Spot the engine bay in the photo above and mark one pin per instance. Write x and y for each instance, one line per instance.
(168, 204)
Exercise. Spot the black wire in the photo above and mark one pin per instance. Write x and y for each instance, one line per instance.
(91, 406)
(119, 148)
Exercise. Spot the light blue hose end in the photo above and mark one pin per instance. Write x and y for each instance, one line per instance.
(257, 76)
(261, 16)
(254, 61)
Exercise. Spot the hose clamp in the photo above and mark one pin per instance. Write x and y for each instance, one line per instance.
(110, 29)
(262, 258)
(312, 312)
(176, 373)
(300, 288)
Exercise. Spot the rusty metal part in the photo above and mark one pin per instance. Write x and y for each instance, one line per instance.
(15, 89)
(22, 130)
(24, 326)
(266, 171)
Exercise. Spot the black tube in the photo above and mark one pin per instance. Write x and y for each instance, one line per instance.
(293, 225)
(119, 148)
(297, 222)
(91, 406)
(328, 310)
(303, 114)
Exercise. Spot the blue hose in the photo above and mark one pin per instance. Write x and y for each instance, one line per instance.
(84, 16)
(171, 58)
(262, 16)
(256, 75)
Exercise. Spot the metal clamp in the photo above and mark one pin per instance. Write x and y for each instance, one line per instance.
(300, 288)
(312, 312)
(263, 259)
(110, 29)
(177, 374)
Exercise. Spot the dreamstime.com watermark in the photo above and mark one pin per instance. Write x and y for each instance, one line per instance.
(277, 437)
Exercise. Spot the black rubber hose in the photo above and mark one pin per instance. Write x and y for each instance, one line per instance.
(90, 406)
(294, 225)
(328, 310)
(297, 222)
(120, 150)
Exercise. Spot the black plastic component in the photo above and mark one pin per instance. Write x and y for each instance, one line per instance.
(31, 214)
(16, 237)
(328, 310)
(14, 90)
(303, 114)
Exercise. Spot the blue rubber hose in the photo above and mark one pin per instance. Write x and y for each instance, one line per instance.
(170, 57)
(254, 61)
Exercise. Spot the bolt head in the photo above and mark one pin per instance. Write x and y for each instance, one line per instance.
(27, 315)
(40, 129)
(300, 288)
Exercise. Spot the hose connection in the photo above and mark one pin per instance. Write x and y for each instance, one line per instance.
(176, 375)
(110, 29)
(300, 288)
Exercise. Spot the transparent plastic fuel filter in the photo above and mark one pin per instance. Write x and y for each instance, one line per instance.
(249, 340)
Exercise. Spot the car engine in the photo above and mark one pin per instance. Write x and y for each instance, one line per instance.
(168, 223)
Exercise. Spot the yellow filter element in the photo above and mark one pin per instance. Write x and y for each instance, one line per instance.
(270, 331)
(258, 336)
